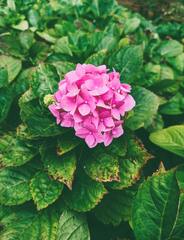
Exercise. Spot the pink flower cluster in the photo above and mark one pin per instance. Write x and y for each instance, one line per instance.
(92, 100)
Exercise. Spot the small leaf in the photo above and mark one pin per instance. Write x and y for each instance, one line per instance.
(44, 190)
(131, 25)
(170, 48)
(62, 46)
(85, 194)
(26, 39)
(73, 226)
(171, 139)
(61, 168)
(97, 58)
(12, 65)
(14, 185)
(115, 207)
(143, 114)
(15, 152)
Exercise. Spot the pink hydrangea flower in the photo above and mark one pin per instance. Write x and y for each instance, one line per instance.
(92, 101)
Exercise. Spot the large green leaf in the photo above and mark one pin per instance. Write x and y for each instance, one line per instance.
(115, 207)
(171, 139)
(128, 61)
(15, 152)
(14, 185)
(61, 168)
(97, 58)
(102, 167)
(73, 226)
(44, 190)
(158, 212)
(12, 65)
(38, 119)
(131, 165)
(85, 194)
(145, 110)
(27, 223)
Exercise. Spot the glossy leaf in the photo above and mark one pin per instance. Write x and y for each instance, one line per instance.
(157, 210)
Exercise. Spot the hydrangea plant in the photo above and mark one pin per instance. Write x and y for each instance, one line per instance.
(54, 186)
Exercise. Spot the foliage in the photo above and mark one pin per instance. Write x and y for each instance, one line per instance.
(52, 186)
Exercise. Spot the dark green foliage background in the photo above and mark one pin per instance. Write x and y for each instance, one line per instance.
(52, 187)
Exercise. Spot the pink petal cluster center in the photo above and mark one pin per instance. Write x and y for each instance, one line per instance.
(92, 101)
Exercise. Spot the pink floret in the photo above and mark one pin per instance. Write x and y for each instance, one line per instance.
(92, 101)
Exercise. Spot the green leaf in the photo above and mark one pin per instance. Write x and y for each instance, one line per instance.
(73, 226)
(15, 152)
(27, 223)
(3, 77)
(173, 106)
(22, 26)
(131, 165)
(85, 194)
(6, 99)
(115, 207)
(44, 80)
(61, 168)
(26, 39)
(177, 62)
(158, 207)
(14, 185)
(12, 65)
(97, 58)
(38, 120)
(147, 104)
(101, 167)
(171, 139)
(128, 61)
(44, 190)
(66, 143)
(62, 46)
(63, 67)
(131, 25)
(170, 48)
(46, 36)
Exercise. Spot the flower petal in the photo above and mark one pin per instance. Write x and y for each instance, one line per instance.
(84, 109)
